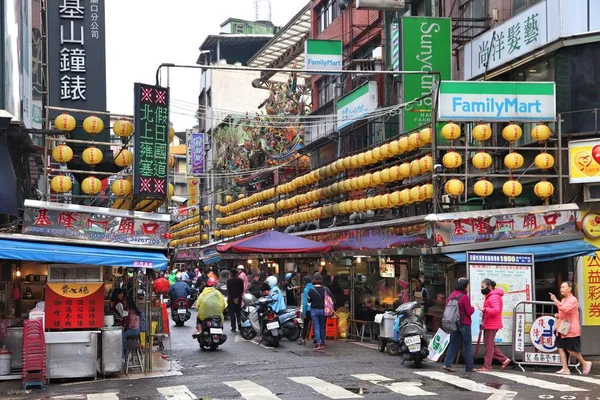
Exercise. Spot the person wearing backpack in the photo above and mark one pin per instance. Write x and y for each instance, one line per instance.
(321, 307)
(457, 320)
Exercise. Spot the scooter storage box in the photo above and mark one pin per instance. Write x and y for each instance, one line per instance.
(386, 326)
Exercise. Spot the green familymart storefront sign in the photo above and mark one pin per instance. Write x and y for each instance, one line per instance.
(497, 101)
(323, 55)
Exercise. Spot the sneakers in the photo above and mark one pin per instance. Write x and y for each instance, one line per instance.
(319, 347)
(587, 368)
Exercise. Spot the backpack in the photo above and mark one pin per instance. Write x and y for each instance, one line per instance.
(451, 317)
(142, 321)
(328, 308)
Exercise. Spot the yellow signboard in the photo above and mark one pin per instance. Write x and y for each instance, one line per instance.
(584, 161)
(193, 187)
(589, 271)
(75, 290)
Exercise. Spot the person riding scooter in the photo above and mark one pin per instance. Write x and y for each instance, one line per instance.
(179, 290)
(275, 294)
(210, 303)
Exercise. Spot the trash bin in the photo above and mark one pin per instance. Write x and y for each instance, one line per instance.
(5, 359)
(386, 326)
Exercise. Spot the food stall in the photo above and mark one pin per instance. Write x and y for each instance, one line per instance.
(79, 255)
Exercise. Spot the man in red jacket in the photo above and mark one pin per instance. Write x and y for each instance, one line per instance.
(463, 333)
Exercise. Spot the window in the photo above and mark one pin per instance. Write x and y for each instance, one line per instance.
(473, 19)
(326, 14)
(239, 28)
(325, 90)
(521, 5)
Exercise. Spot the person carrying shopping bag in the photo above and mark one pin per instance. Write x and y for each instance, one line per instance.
(463, 328)
(321, 307)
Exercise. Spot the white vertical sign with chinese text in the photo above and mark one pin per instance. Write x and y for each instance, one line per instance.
(520, 333)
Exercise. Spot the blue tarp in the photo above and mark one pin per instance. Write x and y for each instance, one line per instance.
(542, 252)
(70, 254)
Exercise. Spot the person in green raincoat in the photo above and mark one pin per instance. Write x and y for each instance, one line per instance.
(173, 277)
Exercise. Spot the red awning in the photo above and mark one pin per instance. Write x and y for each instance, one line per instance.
(274, 242)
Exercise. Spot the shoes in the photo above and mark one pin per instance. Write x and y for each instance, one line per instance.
(319, 347)
(563, 372)
(506, 363)
(587, 368)
(301, 342)
(483, 369)
(449, 369)
(232, 329)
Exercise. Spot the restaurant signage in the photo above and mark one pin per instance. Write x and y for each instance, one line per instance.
(151, 141)
(497, 101)
(195, 153)
(188, 254)
(323, 55)
(74, 305)
(95, 224)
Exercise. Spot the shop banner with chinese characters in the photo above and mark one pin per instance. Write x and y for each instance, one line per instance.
(584, 161)
(588, 271)
(480, 229)
(74, 305)
(151, 135)
(513, 273)
(387, 267)
(195, 153)
(93, 224)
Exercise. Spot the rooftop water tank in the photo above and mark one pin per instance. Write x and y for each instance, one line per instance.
(262, 10)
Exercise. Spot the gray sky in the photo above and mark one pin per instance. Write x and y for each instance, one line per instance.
(142, 34)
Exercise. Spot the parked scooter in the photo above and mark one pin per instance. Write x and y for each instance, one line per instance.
(412, 339)
(289, 319)
(260, 317)
(180, 311)
(211, 333)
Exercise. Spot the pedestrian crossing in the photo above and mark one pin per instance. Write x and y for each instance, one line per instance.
(426, 382)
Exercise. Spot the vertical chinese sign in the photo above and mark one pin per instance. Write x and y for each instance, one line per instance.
(195, 153)
(591, 290)
(193, 187)
(151, 141)
(74, 305)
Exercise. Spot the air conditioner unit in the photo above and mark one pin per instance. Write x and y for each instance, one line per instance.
(591, 192)
(384, 5)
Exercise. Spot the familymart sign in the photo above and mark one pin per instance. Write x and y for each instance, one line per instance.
(497, 101)
(323, 55)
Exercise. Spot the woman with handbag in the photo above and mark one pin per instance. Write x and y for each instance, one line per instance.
(321, 307)
(568, 329)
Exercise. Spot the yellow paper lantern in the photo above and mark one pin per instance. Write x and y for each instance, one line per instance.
(171, 134)
(170, 190)
(61, 184)
(362, 205)
(395, 198)
(171, 161)
(404, 170)
(335, 209)
(386, 201)
(377, 202)
(121, 187)
(339, 165)
(541, 133)
(368, 158)
(354, 161)
(354, 183)
(405, 196)
(91, 185)
(451, 131)
(385, 151)
(62, 153)
(347, 185)
(206, 209)
(65, 122)
(513, 160)
(395, 173)
(415, 168)
(512, 188)
(415, 194)
(346, 162)
(369, 203)
(482, 132)
(360, 182)
(228, 199)
(92, 156)
(241, 196)
(426, 136)
(415, 140)
(377, 180)
(543, 189)
(426, 164)
(452, 160)
(427, 191)
(544, 161)
(93, 125)
(385, 175)
(483, 188)
(376, 154)
(395, 148)
(404, 144)
(482, 160)
(123, 158)
(367, 180)
(204, 236)
(512, 133)
(454, 187)
(360, 158)
(123, 128)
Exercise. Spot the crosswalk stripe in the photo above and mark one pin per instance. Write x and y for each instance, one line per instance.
(325, 388)
(527, 380)
(468, 384)
(176, 392)
(251, 391)
(103, 396)
(580, 378)
(404, 388)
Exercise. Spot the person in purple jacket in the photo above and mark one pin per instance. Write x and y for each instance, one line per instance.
(463, 333)
(492, 323)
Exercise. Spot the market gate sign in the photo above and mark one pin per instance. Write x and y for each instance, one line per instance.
(497, 101)
(323, 55)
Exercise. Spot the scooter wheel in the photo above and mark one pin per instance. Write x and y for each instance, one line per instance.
(393, 349)
(248, 333)
(418, 360)
(381, 346)
(214, 347)
(179, 323)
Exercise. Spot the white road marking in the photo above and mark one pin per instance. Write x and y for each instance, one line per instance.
(580, 378)
(404, 388)
(103, 396)
(251, 391)
(527, 380)
(468, 384)
(176, 393)
(325, 388)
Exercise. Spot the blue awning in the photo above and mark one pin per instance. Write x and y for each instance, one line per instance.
(542, 252)
(69, 254)
(212, 260)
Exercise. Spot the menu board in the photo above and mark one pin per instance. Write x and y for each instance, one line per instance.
(513, 273)
(151, 141)
(74, 305)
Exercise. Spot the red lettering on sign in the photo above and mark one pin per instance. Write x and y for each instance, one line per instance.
(126, 226)
(67, 218)
(150, 228)
(530, 222)
(42, 218)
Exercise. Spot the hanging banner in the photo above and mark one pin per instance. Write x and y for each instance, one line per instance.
(150, 173)
(74, 305)
(195, 153)
(513, 273)
(193, 186)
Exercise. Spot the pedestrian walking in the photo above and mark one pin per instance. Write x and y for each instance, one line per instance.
(568, 329)
(242, 275)
(305, 309)
(492, 323)
(316, 299)
(463, 331)
(235, 291)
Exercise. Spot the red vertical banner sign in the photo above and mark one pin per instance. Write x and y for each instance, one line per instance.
(74, 305)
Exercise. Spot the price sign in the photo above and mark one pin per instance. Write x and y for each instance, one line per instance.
(151, 141)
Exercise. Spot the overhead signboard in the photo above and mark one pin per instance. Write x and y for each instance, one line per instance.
(323, 55)
(357, 104)
(426, 47)
(497, 101)
(584, 161)
(384, 5)
(150, 173)
(195, 153)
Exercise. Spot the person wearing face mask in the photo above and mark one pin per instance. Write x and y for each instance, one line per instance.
(492, 323)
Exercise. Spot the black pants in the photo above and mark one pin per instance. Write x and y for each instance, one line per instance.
(235, 313)
(305, 326)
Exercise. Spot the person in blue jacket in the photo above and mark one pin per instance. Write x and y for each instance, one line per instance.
(278, 302)
(305, 308)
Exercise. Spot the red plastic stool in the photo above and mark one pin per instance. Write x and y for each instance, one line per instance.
(331, 328)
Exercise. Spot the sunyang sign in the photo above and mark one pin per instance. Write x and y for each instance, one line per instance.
(497, 101)
(323, 55)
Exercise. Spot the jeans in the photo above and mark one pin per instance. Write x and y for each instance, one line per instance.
(129, 333)
(235, 313)
(318, 318)
(491, 349)
(462, 334)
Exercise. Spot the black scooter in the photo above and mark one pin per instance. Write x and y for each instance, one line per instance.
(413, 339)
(211, 334)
